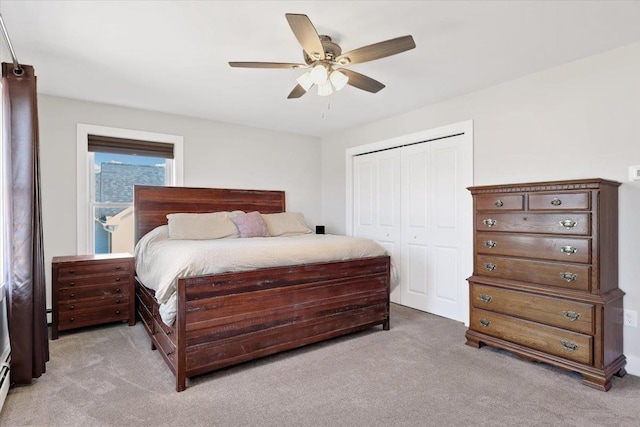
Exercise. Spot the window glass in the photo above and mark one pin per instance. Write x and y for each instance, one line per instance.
(111, 203)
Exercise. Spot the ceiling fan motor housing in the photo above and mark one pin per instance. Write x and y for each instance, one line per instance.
(331, 51)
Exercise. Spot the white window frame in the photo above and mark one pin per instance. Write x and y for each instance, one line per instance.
(84, 240)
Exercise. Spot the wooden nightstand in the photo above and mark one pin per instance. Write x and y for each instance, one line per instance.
(91, 290)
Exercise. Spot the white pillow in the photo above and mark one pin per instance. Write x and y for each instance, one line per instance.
(205, 226)
(286, 224)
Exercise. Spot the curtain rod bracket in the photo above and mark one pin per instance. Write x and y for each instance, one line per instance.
(17, 69)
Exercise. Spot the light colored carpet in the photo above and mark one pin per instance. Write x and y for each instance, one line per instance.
(420, 373)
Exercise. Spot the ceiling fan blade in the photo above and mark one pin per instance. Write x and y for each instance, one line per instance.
(361, 81)
(377, 51)
(266, 65)
(297, 92)
(306, 34)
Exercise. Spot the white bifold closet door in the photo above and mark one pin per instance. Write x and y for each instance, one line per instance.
(413, 200)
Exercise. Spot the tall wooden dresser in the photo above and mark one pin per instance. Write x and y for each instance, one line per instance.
(545, 278)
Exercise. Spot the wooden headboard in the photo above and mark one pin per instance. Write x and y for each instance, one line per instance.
(151, 204)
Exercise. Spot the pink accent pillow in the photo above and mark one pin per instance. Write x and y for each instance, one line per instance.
(251, 225)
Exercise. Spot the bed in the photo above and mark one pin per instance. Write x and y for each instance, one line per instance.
(229, 318)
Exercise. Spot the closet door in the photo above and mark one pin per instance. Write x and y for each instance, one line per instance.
(376, 207)
(435, 237)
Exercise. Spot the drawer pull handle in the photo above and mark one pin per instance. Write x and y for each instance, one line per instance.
(498, 203)
(72, 271)
(571, 315)
(72, 283)
(117, 311)
(72, 319)
(556, 202)
(569, 277)
(117, 279)
(568, 223)
(168, 333)
(118, 267)
(169, 353)
(489, 266)
(485, 322)
(489, 222)
(117, 301)
(569, 345)
(72, 295)
(71, 307)
(569, 250)
(485, 297)
(490, 244)
(118, 290)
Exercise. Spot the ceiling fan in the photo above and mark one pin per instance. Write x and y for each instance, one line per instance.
(323, 58)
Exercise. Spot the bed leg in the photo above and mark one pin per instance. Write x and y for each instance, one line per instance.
(386, 325)
(181, 383)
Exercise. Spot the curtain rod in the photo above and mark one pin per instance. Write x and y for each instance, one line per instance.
(17, 69)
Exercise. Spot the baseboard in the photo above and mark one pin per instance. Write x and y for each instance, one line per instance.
(633, 365)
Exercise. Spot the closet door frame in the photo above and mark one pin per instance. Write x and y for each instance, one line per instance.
(464, 129)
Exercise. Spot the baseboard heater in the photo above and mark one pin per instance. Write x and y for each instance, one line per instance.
(5, 378)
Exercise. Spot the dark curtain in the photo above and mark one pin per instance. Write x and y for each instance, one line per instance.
(24, 255)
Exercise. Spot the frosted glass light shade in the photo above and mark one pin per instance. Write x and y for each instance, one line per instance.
(338, 79)
(325, 89)
(319, 74)
(305, 81)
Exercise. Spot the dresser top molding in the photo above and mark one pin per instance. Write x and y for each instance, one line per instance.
(579, 184)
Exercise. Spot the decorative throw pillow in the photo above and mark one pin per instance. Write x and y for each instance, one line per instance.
(251, 225)
(286, 224)
(202, 226)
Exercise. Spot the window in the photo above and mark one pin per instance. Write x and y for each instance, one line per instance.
(115, 161)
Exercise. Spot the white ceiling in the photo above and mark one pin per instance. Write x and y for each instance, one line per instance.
(171, 56)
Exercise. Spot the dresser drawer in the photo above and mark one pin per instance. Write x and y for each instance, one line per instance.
(88, 303)
(547, 223)
(65, 294)
(562, 343)
(74, 281)
(502, 202)
(520, 245)
(561, 275)
(91, 268)
(94, 316)
(565, 314)
(559, 201)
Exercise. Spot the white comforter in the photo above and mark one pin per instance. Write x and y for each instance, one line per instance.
(161, 261)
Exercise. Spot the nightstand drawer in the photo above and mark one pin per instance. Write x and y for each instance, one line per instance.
(94, 316)
(93, 291)
(76, 282)
(83, 269)
(89, 303)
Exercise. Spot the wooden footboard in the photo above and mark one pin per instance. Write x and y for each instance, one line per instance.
(231, 318)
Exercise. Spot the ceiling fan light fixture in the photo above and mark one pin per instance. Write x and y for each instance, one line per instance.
(305, 81)
(325, 89)
(319, 74)
(338, 79)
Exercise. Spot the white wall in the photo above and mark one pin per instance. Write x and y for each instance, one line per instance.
(216, 154)
(580, 120)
